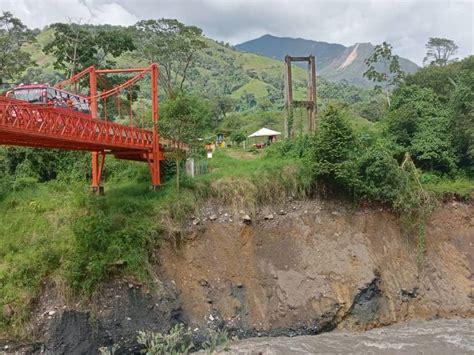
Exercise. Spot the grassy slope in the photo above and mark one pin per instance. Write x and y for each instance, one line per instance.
(35, 235)
(213, 67)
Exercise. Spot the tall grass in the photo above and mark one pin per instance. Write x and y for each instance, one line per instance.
(245, 184)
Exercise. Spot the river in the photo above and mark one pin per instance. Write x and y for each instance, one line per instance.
(455, 336)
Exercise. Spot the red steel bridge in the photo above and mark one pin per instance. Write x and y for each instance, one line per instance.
(48, 126)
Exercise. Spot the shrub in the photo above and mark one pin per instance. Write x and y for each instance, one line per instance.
(290, 148)
(333, 150)
(177, 341)
(380, 177)
(238, 137)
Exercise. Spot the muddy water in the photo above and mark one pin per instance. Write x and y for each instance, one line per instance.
(419, 337)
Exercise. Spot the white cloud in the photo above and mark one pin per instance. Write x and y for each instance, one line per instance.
(37, 14)
(407, 24)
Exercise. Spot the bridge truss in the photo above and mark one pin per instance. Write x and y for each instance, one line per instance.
(47, 126)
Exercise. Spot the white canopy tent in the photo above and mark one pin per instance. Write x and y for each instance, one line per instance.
(264, 132)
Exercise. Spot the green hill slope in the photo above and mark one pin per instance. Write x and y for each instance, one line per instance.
(250, 79)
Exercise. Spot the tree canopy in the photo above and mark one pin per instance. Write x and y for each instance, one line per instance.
(75, 48)
(173, 45)
(440, 51)
(391, 73)
(13, 35)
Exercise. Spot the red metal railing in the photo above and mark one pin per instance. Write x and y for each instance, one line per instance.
(48, 126)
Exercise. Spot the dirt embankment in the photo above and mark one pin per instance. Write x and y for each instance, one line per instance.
(309, 267)
(317, 265)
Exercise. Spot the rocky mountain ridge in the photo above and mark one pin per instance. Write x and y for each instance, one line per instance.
(335, 62)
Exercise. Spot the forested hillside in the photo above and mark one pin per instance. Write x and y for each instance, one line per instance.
(228, 80)
(251, 80)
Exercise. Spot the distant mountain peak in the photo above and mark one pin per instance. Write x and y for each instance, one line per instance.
(334, 61)
(277, 47)
(350, 58)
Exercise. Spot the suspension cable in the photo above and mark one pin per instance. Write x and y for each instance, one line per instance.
(142, 107)
(118, 105)
(105, 108)
(131, 109)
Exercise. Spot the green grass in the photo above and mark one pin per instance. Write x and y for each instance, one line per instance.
(61, 231)
(234, 162)
(243, 181)
(34, 237)
(255, 87)
(460, 186)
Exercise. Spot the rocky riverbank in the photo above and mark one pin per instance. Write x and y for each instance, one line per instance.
(301, 268)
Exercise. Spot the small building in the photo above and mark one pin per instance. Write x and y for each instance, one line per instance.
(220, 140)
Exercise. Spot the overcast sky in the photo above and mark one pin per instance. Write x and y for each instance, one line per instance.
(406, 24)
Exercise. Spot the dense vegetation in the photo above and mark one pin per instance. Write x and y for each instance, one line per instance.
(395, 152)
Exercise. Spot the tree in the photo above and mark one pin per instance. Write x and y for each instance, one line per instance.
(173, 46)
(391, 73)
(75, 47)
(222, 105)
(418, 123)
(183, 119)
(72, 46)
(13, 35)
(238, 137)
(334, 145)
(440, 51)
(264, 104)
(441, 79)
(112, 43)
(462, 103)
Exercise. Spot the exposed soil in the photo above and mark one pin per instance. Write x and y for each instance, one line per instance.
(302, 268)
(315, 265)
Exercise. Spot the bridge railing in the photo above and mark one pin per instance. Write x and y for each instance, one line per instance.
(52, 123)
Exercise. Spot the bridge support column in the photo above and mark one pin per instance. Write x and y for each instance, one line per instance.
(154, 164)
(98, 160)
(156, 155)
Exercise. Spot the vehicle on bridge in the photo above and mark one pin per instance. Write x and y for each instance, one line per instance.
(47, 95)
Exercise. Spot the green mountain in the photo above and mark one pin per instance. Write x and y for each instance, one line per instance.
(335, 62)
(250, 79)
(278, 47)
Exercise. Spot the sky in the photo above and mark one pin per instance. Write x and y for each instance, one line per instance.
(406, 24)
